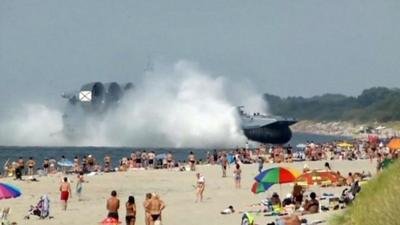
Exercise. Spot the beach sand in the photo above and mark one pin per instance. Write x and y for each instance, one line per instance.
(175, 188)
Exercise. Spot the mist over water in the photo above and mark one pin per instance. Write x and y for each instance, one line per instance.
(172, 106)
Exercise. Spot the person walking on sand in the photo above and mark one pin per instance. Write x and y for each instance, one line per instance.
(79, 186)
(130, 217)
(201, 184)
(192, 161)
(31, 166)
(237, 175)
(65, 190)
(224, 164)
(113, 206)
(146, 211)
(155, 206)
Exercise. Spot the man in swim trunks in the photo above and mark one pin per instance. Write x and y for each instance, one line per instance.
(113, 206)
(170, 163)
(151, 157)
(65, 189)
(21, 165)
(31, 166)
(146, 210)
(192, 161)
(224, 163)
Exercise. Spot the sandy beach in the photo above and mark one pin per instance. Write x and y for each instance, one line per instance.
(175, 188)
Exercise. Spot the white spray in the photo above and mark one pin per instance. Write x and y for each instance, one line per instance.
(178, 106)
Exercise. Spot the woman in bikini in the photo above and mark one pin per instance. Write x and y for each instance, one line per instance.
(201, 184)
(155, 206)
(237, 175)
(130, 211)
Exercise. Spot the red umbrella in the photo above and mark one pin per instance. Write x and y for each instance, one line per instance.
(319, 177)
(110, 221)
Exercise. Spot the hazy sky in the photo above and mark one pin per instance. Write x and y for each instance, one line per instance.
(285, 47)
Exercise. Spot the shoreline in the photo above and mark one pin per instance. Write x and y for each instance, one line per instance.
(348, 129)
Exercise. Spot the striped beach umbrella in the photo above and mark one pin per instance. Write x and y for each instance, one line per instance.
(8, 191)
(277, 175)
(260, 187)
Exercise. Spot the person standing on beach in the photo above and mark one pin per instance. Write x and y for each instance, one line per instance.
(113, 206)
(192, 161)
(201, 184)
(170, 162)
(31, 166)
(79, 186)
(224, 164)
(146, 211)
(65, 190)
(151, 157)
(130, 217)
(21, 165)
(107, 163)
(237, 175)
(46, 166)
(155, 206)
(260, 163)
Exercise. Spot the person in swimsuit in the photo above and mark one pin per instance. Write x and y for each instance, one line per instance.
(201, 184)
(146, 211)
(170, 163)
(107, 163)
(31, 166)
(151, 157)
(21, 165)
(224, 164)
(46, 165)
(79, 186)
(311, 206)
(237, 175)
(65, 190)
(155, 206)
(130, 217)
(192, 161)
(113, 206)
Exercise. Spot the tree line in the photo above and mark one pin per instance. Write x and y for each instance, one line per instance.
(375, 104)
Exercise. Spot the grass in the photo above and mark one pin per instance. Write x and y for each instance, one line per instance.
(377, 203)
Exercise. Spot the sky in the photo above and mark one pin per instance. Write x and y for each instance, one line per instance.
(283, 47)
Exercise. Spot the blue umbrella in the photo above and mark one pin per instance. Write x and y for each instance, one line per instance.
(65, 163)
(161, 156)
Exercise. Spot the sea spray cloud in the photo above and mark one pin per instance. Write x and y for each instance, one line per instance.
(173, 106)
(32, 124)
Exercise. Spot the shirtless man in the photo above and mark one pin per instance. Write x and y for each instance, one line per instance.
(170, 162)
(192, 161)
(224, 164)
(65, 190)
(31, 165)
(201, 184)
(107, 163)
(146, 211)
(155, 206)
(113, 206)
(151, 157)
(21, 164)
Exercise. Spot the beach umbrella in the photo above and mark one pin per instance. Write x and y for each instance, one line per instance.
(8, 191)
(277, 175)
(161, 156)
(260, 187)
(65, 163)
(394, 144)
(345, 145)
(319, 178)
(110, 221)
(301, 145)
